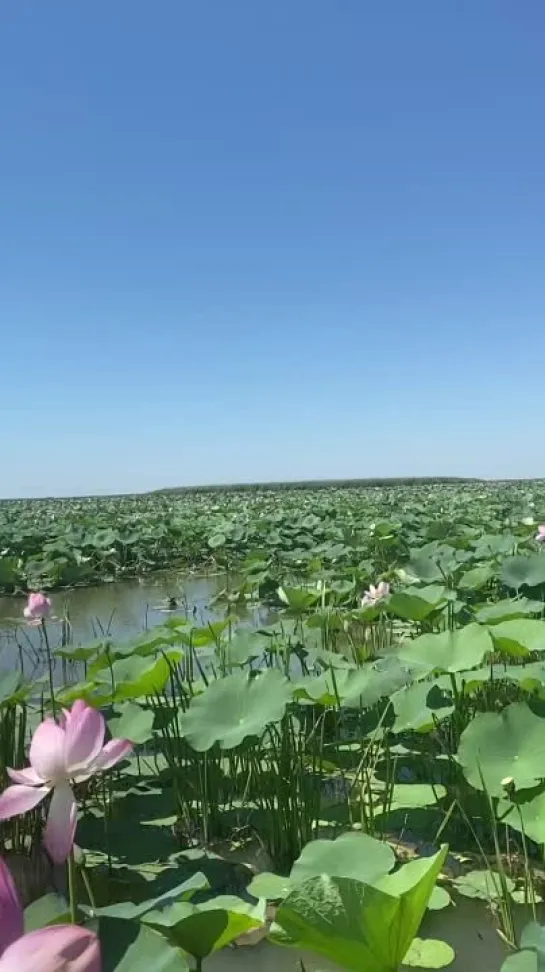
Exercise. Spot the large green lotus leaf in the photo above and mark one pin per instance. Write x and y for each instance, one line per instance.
(353, 855)
(235, 707)
(90, 692)
(317, 654)
(205, 928)
(412, 885)
(355, 688)
(523, 962)
(419, 706)
(375, 681)
(451, 651)
(473, 680)
(522, 571)
(51, 909)
(486, 885)
(425, 569)
(270, 886)
(499, 746)
(507, 610)
(340, 919)
(298, 600)
(359, 926)
(208, 635)
(529, 676)
(429, 953)
(417, 603)
(132, 722)
(127, 946)
(182, 893)
(83, 653)
(412, 795)
(135, 677)
(533, 937)
(324, 689)
(528, 817)
(476, 577)
(156, 639)
(519, 636)
(494, 545)
(532, 956)
(440, 898)
(243, 647)
(13, 688)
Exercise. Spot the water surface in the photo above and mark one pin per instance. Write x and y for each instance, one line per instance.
(120, 610)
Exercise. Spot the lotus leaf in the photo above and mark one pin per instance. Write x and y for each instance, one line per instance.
(503, 746)
(450, 651)
(235, 707)
(519, 636)
(353, 855)
(429, 953)
(127, 946)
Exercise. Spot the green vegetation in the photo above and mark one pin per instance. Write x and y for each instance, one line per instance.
(62, 543)
(382, 755)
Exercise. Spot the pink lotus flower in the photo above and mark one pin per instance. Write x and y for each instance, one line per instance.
(59, 947)
(38, 607)
(540, 535)
(61, 754)
(375, 594)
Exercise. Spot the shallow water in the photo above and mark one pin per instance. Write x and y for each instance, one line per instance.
(121, 610)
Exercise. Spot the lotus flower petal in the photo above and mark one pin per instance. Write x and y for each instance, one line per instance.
(47, 751)
(113, 752)
(38, 607)
(60, 828)
(84, 736)
(11, 912)
(28, 776)
(18, 799)
(59, 948)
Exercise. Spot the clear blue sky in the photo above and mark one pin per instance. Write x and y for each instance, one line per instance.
(255, 240)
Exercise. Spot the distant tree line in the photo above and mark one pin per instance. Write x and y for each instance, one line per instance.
(319, 484)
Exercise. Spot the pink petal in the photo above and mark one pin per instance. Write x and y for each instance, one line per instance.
(113, 751)
(11, 913)
(65, 947)
(28, 776)
(84, 736)
(61, 824)
(47, 751)
(38, 606)
(19, 799)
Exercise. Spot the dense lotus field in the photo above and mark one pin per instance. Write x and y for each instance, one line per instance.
(329, 782)
(61, 543)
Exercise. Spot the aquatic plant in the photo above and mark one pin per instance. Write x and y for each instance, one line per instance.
(61, 754)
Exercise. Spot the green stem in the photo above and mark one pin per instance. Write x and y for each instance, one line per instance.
(50, 667)
(72, 888)
(88, 887)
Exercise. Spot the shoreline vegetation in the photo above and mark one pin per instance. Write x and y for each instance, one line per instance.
(281, 485)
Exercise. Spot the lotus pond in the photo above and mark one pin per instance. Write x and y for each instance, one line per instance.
(338, 775)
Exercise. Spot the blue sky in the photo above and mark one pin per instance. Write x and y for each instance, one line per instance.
(248, 241)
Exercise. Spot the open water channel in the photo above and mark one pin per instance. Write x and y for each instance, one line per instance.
(120, 610)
